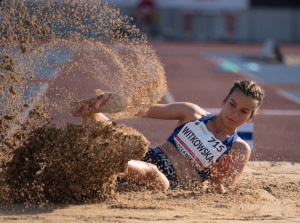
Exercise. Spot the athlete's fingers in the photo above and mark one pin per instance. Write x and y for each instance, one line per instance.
(214, 167)
(214, 163)
(225, 164)
(228, 157)
(220, 163)
(230, 160)
(222, 160)
(225, 157)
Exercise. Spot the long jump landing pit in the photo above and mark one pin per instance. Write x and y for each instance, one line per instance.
(264, 189)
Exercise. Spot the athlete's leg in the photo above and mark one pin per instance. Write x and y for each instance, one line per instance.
(97, 117)
(138, 171)
(146, 174)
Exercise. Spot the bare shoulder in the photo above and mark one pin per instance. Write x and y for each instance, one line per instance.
(240, 147)
(240, 153)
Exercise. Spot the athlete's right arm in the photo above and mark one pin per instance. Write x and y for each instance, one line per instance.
(182, 111)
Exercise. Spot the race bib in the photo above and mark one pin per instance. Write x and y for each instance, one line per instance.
(199, 145)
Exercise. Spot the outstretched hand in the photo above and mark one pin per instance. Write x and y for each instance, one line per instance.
(220, 170)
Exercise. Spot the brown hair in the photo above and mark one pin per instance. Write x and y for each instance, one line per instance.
(249, 88)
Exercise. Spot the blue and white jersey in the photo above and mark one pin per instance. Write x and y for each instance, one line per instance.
(198, 144)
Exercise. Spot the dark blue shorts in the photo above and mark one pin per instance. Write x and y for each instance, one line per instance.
(159, 159)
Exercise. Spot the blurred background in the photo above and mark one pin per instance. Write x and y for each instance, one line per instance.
(215, 20)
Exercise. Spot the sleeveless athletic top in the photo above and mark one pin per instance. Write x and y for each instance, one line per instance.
(205, 173)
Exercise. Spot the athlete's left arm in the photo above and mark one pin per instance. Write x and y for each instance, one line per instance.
(240, 153)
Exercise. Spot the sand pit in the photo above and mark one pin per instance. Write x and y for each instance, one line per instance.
(60, 182)
(267, 192)
(77, 164)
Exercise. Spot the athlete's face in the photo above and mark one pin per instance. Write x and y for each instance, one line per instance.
(238, 109)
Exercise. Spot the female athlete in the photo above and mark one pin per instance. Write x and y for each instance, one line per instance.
(203, 146)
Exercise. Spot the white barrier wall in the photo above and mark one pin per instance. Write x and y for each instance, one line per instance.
(273, 23)
(297, 25)
(253, 25)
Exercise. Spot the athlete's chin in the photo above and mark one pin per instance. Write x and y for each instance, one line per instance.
(231, 123)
